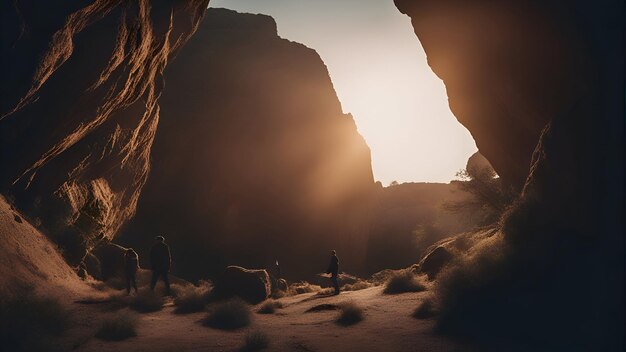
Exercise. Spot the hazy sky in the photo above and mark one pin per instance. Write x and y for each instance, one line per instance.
(381, 76)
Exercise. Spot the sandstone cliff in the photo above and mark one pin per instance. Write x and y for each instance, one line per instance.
(254, 159)
(539, 85)
(79, 104)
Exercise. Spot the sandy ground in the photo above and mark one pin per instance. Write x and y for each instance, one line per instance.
(388, 326)
(27, 257)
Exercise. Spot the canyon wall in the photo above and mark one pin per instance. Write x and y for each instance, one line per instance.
(79, 104)
(254, 160)
(539, 84)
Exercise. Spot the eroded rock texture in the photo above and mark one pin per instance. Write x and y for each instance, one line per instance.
(79, 104)
(540, 86)
(254, 159)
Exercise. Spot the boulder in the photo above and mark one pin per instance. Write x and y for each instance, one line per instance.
(252, 285)
(434, 261)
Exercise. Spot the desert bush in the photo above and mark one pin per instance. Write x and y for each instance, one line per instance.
(403, 281)
(327, 291)
(255, 341)
(118, 327)
(228, 315)
(488, 197)
(349, 314)
(189, 299)
(359, 285)
(269, 307)
(302, 287)
(29, 321)
(381, 277)
(147, 301)
(425, 310)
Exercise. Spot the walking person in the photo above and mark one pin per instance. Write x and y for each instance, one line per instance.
(131, 264)
(333, 270)
(161, 261)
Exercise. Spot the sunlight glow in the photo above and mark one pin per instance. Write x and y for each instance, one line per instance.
(381, 76)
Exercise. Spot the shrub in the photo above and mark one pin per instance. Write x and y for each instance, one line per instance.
(489, 198)
(325, 291)
(146, 301)
(256, 341)
(29, 321)
(302, 287)
(349, 314)
(269, 307)
(359, 285)
(118, 327)
(191, 298)
(425, 310)
(403, 281)
(229, 315)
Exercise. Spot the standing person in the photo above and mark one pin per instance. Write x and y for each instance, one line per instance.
(333, 270)
(161, 261)
(131, 264)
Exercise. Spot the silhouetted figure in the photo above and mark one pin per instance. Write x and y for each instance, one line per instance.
(277, 269)
(131, 264)
(333, 270)
(161, 261)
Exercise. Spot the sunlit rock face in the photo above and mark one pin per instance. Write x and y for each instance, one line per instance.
(79, 103)
(540, 86)
(254, 159)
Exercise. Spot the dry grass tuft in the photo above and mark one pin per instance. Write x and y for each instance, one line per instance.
(404, 281)
(269, 307)
(298, 288)
(191, 298)
(349, 314)
(228, 315)
(358, 285)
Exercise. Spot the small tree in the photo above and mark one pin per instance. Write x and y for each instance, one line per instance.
(488, 198)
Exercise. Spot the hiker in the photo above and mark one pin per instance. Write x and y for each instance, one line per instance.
(333, 269)
(131, 264)
(161, 261)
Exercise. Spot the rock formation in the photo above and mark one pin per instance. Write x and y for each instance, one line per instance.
(252, 285)
(254, 159)
(79, 108)
(539, 85)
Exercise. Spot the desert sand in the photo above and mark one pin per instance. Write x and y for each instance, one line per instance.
(387, 326)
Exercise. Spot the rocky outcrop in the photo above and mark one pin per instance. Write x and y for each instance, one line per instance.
(79, 103)
(434, 261)
(254, 159)
(540, 86)
(251, 285)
